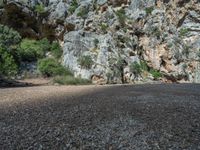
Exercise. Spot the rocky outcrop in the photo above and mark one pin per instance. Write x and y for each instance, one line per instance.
(164, 34)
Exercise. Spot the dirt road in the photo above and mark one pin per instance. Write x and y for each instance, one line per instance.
(162, 116)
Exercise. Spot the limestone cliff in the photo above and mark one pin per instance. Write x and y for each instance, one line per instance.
(165, 34)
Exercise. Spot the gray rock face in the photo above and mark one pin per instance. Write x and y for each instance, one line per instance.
(80, 43)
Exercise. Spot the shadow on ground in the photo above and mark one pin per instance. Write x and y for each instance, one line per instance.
(162, 116)
(11, 83)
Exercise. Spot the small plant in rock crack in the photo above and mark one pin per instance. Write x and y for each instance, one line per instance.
(156, 32)
(198, 54)
(121, 14)
(104, 27)
(85, 62)
(96, 42)
(184, 66)
(135, 68)
(73, 6)
(155, 73)
(82, 12)
(186, 50)
(183, 31)
(40, 9)
(149, 10)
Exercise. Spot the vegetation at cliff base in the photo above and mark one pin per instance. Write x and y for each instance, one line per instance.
(70, 80)
(14, 50)
(49, 67)
(8, 66)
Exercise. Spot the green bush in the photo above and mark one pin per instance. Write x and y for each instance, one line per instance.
(32, 50)
(183, 31)
(9, 40)
(49, 67)
(40, 8)
(8, 66)
(135, 68)
(104, 27)
(155, 73)
(156, 32)
(149, 10)
(9, 57)
(70, 80)
(85, 62)
(44, 44)
(73, 6)
(82, 12)
(56, 50)
(96, 42)
(144, 65)
(121, 14)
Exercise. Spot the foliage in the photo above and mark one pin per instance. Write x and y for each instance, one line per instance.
(73, 6)
(9, 37)
(40, 8)
(156, 32)
(96, 42)
(198, 53)
(135, 68)
(186, 50)
(104, 27)
(9, 40)
(56, 50)
(183, 31)
(121, 14)
(85, 62)
(70, 80)
(155, 73)
(50, 67)
(44, 44)
(143, 65)
(149, 10)
(31, 50)
(82, 12)
(8, 66)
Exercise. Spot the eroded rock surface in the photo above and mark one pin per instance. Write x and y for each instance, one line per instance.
(164, 34)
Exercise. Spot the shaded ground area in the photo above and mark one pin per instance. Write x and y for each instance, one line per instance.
(5, 83)
(162, 116)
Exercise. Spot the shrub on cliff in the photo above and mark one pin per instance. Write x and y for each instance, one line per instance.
(121, 14)
(31, 50)
(85, 62)
(155, 73)
(135, 68)
(56, 50)
(73, 6)
(40, 9)
(49, 67)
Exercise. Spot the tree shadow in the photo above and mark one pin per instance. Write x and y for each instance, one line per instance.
(11, 83)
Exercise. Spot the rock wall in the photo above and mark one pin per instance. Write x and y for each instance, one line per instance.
(163, 33)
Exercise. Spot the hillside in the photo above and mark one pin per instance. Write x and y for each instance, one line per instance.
(115, 41)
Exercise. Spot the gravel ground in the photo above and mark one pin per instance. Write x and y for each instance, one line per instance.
(161, 116)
